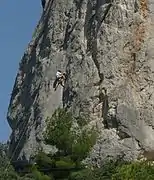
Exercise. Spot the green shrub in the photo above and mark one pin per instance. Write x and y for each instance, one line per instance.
(83, 144)
(116, 170)
(38, 175)
(58, 130)
(44, 161)
(63, 164)
(73, 144)
(85, 174)
(135, 171)
(82, 121)
(107, 170)
(59, 133)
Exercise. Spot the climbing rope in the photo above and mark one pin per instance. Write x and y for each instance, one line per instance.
(24, 125)
(23, 133)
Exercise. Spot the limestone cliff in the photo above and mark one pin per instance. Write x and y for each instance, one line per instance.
(106, 48)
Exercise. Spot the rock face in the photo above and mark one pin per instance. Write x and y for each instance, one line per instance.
(106, 48)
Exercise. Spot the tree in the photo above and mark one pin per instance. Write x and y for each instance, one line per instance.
(73, 143)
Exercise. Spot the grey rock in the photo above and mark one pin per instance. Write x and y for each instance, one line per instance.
(106, 49)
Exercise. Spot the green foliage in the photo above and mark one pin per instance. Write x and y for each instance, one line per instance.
(103, 173)
(7, 172)
(65, 162)
(58, 130)
(44, 161)
(83, 144)
(82, 121)
(117, 171)
(74, 147)
(38, 175)
(85, 174)
(106, 172)
(73, 144)
(135, 171)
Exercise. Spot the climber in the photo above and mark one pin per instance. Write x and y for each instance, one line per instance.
(43, 3)
(60, 78)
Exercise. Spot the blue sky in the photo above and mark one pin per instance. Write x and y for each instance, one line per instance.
(18, 19)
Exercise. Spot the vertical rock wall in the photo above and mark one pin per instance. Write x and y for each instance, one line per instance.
(106, 49)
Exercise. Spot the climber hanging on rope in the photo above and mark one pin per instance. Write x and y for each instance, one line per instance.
(60, 78)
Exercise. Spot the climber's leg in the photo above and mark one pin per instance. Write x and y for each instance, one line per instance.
(56, 86)
(58, 81)
(55, 83)
(62, 82)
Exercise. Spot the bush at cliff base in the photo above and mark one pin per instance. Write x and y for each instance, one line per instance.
(135, 171)
(73, 144)
(74, 147)
(117, 171)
